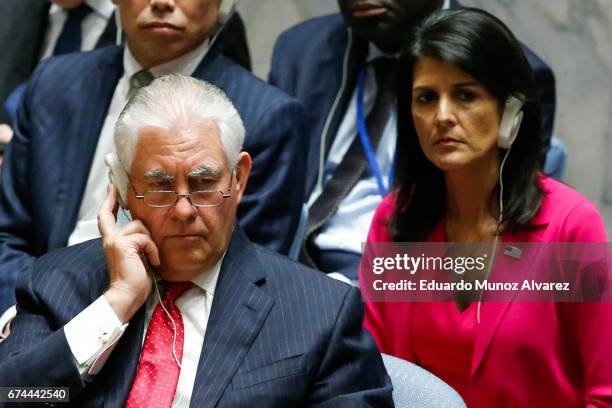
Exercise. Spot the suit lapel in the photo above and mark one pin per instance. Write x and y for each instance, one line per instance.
(493, 312)
(91, 95)
(239, 309)
(211, 69)
(330, 71)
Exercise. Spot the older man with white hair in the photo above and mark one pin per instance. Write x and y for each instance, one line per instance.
(54, 175)
(178, 308)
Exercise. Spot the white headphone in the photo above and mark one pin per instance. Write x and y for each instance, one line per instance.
(508, 130)
(117, 176)
(511, 121)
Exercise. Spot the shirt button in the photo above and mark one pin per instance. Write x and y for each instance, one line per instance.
(104, 337)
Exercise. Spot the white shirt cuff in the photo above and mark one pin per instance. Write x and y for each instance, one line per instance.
(93, 334)
(5, 320)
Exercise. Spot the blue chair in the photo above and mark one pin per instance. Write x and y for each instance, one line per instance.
(556, 158)
(415, 387)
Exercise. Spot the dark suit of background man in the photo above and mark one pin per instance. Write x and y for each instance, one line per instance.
(319, 62)
(54, 175)
(238, 325)
(31, 30)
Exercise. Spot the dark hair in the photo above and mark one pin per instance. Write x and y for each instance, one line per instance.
(482, 46)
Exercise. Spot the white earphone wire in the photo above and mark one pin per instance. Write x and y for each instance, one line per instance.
(498, 234)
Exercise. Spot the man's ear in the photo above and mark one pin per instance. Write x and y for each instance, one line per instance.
(243, 170)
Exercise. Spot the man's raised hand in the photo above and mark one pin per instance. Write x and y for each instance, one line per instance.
(129, 251)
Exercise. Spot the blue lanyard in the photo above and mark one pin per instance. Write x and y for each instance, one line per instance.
(365, 137)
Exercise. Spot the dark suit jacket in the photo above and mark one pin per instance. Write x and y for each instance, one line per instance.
(47, 163)
(279, 335)
(308, 63)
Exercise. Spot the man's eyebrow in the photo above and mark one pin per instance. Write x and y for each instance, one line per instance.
(158, 174)
(205, 171)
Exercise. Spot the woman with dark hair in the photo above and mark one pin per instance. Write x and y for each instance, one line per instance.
(467, 170)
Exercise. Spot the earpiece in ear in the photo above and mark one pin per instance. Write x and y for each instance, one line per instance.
(511, 121)
(117, 177)
(226, 11)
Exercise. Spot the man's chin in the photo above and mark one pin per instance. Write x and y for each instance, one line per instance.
(181, 258)
(179, 270)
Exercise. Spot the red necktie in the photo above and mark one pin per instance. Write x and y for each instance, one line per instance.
(158, 373)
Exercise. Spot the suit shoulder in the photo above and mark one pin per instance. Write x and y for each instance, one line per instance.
(78, 260)
(570, 216)
(245, 82)
(310, 33)
(539, 66)
(317, 26)
(561, 197)
(286, 273)
(62, 71)
(78, 62)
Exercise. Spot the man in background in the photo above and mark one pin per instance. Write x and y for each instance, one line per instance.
(343, 73)
(54, 175)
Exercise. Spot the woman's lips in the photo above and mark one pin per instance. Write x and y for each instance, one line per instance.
(447, 141)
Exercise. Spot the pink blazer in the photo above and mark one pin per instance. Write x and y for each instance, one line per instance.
(526, 354)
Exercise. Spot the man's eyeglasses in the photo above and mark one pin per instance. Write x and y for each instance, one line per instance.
(168, 198)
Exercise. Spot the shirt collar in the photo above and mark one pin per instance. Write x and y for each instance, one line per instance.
(208, 279)
(104, 8)
(185, 64)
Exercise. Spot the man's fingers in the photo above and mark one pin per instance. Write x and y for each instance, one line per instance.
(145, 245)
(107, 216)
(151, 252)
(133, 227)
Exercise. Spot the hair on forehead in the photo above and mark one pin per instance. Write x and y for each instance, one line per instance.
(176, 100)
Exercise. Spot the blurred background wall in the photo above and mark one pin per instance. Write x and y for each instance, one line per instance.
(573, 36)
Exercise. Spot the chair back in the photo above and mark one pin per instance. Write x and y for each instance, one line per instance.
(416, 387)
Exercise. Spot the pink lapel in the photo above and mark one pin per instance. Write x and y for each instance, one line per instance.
(492, 313)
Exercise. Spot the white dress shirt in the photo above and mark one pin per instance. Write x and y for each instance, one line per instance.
(91, 29)
(348, 228)
(87, 225)
(93, 333)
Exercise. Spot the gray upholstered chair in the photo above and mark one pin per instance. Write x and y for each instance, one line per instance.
(415, 387)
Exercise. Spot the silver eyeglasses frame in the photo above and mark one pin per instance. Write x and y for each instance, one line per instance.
(188, 195)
